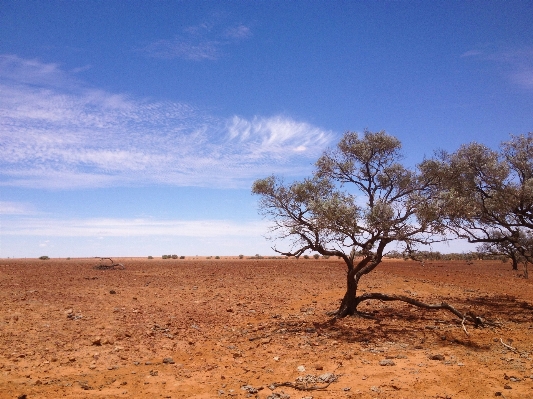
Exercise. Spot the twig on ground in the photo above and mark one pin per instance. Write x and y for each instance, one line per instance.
(507, 346)
(464, 327)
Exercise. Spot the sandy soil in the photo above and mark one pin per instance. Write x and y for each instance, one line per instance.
(207, 328)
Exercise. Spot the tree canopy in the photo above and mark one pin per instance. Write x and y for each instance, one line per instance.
(486, 196)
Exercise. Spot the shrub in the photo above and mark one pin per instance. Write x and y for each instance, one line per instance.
(182, 257)
(68, 258)
(174, 256)
(217, 257)
(306, 256)
(241, 256)
(316, 256)
(165, 257)
(326, 257)
(44, 257)
(150, 257)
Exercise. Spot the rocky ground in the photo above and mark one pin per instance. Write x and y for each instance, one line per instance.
(236, 328)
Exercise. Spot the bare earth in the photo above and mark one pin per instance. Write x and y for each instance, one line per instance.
(200, 328)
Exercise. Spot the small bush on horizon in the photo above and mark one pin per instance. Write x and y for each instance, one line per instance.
(150, 257)
(316, 256)
(241, 256)
(182, 257)
(44, 257)
(165, 257)
(217, 257)
(306, 256)
(174, 256)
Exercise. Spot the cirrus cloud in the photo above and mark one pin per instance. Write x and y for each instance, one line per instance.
(57, 133)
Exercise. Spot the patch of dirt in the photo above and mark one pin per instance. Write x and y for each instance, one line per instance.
(236, 328)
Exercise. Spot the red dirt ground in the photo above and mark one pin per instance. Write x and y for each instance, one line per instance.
(69, 330)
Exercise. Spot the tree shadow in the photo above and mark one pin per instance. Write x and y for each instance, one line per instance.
(397, 322)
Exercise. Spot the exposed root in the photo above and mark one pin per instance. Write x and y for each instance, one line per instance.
(476, 320)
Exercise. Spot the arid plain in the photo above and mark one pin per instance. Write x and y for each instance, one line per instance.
(258, 328)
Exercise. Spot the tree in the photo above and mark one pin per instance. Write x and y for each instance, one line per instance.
(502, 248)
(486, 196)
(360, 200)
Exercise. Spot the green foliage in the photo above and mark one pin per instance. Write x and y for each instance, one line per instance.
(174, 256)
(217, 257)
(150, 257)
(182, 257)
(306, 256)
(44, 257)
(165, 257)
(316, 256)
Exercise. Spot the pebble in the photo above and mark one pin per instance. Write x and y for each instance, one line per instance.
(168, 360)
(436, 357)
(300, 369)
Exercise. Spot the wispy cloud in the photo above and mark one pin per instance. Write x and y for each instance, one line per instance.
(205, 41)
(55, 132)
(517, 63)
(99, 227)
(15, 208)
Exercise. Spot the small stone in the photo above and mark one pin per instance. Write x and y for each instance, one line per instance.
(276, 358)
(168, 360)
(97, 341)
(319, 367)
(497, 394)
(436, 357)
(300, 369)
(112, 292)
(346, 389)
(507, 387)
(387, 362)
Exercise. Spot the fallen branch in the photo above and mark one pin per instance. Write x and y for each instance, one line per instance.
(112, 266)
(308, 382)
(300, 387)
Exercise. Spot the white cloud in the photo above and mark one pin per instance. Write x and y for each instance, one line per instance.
(57, 133)
(101, 227)
(15, 208)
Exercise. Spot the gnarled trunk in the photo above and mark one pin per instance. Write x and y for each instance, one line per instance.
(348, 305)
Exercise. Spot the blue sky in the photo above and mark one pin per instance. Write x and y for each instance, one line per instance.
(137, 128)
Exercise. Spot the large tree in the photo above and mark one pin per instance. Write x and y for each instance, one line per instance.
(358, 202)
(486, 196)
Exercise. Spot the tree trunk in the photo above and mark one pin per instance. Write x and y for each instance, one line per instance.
(515, 262)
(349, 303)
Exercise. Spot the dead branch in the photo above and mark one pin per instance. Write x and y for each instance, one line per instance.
(477, 321)
(300, 387)
(112, 266)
